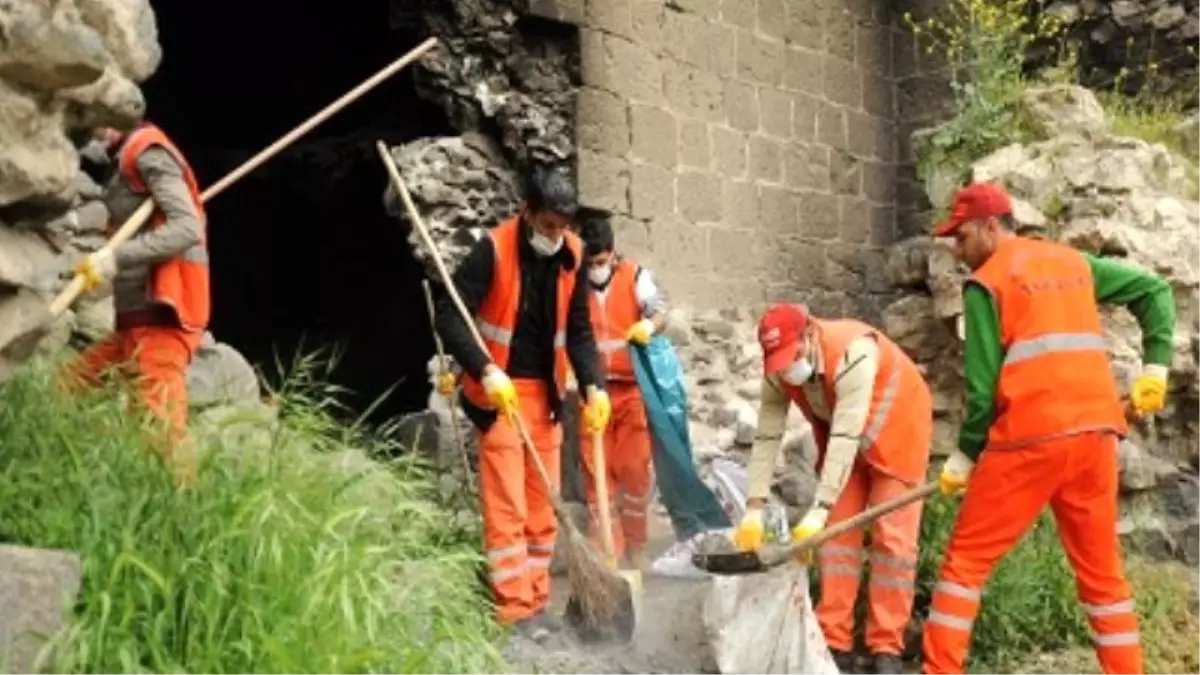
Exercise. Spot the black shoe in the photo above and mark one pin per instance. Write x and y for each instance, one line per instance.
(843, 660)
(531, 629)
(887, 664)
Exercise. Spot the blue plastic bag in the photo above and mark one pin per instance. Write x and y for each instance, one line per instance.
(693, 508)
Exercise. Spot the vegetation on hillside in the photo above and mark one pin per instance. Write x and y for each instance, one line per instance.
(293, 552)
(982, 46)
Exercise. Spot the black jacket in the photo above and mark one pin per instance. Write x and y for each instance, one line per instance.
(532, 352)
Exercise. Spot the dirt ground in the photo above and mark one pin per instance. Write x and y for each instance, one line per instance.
(669, 637)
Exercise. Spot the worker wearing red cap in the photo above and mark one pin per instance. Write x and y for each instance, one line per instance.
(1042, 401)
(872, 419)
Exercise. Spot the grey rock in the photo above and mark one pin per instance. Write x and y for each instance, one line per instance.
(129, 32)
(111, 101)
(48, 54)
(36, 159)
(219, 375)
(35, 587)
(1063, 109)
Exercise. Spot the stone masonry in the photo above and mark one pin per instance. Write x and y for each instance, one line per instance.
(747, 148)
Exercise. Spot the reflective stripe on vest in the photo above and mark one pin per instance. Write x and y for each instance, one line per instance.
(899, 426)
(1055, 379)
(613, 313)
(1053, 342)
(497, 315)
(182, 282)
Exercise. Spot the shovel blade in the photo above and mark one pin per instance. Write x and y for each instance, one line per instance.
(731, 562)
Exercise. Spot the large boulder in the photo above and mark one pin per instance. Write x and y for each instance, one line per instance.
(65, 67)
(461, 185)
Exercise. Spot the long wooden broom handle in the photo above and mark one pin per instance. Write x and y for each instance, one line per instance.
(419, 224)
(604, 516)
(139, 217)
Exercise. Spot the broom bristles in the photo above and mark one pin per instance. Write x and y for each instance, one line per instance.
(600, 592)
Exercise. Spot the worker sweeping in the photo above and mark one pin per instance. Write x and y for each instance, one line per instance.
(872, 419)
(626, 307)
(527, 285)
(1043, 418)
(160, 284)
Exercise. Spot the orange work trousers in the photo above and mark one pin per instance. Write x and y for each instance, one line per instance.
(1077, 476)
(630, 472)
(519, 526)
(156, 359)
(893, 565)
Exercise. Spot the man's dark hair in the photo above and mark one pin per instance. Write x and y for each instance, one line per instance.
(596, 230)
(549, 190)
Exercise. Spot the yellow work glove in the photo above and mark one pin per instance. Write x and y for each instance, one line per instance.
(96, 269)
(500, 391)
(955, 473)
(641, 332)
(598, 409)
(749, 534)
(1150, 390)
(445, 384)
(812, 523)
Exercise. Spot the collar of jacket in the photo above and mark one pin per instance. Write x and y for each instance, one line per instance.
(563, 257)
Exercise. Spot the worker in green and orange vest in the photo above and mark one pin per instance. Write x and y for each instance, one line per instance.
(1043, 420)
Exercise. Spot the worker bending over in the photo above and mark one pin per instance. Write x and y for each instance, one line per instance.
(526, 285)
(1042, 401)
(872, 419)
(160, 284)
(626, 306)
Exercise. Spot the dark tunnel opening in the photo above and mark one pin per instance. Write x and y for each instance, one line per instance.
(303, 254)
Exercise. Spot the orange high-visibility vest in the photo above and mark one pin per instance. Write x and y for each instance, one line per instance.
(1055, 379)
(497, 315)
(181, 283)
(901, 405)
(613, 314)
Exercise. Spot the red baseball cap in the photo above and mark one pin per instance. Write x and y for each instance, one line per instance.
(779, 332)
(975, 201)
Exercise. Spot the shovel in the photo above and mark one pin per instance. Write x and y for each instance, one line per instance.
(753, 562)
(627, 621)
(16, 343)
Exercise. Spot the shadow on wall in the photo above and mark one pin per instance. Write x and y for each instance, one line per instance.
(303, 253)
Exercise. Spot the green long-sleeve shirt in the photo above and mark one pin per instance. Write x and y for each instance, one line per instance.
(1147, 296)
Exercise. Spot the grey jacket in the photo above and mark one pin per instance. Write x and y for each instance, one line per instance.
(182, 230)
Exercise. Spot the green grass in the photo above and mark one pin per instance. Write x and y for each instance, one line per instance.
(293, 552)
(1030, 619)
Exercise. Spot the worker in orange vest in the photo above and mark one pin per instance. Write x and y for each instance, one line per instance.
(1041, 399)
(160, 282)
(872, 418)
(526, 285)
(626, 306)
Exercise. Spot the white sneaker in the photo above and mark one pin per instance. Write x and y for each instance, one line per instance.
(677, 561)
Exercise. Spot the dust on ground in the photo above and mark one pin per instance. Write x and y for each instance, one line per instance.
(669, 637)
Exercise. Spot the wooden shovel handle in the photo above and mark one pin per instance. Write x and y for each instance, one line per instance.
(132, 224)
(866, 517)
(604, 516)
(419, 224)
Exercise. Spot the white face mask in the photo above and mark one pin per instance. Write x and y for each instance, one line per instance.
(545, 246)
(798, 373)
(600, 275)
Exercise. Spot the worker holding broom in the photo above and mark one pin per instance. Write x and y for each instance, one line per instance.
(160, 282)
(872, 419)
(626, 307)
(1042, 401)
(526, 284)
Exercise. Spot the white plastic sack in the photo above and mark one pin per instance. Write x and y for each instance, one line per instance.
(764, 623)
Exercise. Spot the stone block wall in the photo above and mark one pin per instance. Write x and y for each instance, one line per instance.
(747, 148)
